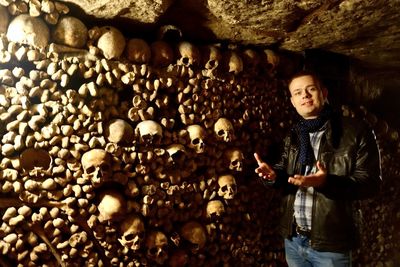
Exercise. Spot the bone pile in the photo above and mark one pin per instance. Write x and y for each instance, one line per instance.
(380, 239)
(120, 152)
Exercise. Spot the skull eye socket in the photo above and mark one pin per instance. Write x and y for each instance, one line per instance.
(153, 251)
(221, 132)
(212, 63)
(129, 237)
(91, 169)
(196, 141)
(185, 60)
(224, 188)
(235, 162)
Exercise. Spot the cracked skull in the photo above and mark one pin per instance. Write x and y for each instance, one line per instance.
(96, 164)
(133, 232)
(227, 186)
(197, 136)
(223, 130)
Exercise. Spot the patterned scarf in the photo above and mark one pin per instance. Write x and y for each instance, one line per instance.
(304, 127)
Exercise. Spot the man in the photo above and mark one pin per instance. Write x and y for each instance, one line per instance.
(328, 161)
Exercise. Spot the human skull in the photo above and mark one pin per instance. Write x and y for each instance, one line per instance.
(211, 57)
(157, 245)
(197, 136)
(33, 158)
(195, 233)
(227, 186)
(112, 205)
(111, 42)
(223, 130)
(251, 59)
(149, 132)
(162, 54)
(3, 19)
(272, 58)
(119, 131)
(233, 62)
(188, 54)
(177, 153)
(215, 209)
(71, 31)
(96, 164)
(133, 231)
(234, 158)
(138, 51)
(28, 30)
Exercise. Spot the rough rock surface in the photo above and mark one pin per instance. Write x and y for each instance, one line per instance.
(365, 30)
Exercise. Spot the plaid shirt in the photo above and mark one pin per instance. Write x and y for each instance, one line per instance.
(303, 203)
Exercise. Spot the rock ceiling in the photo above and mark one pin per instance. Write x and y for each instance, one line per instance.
(368, 30)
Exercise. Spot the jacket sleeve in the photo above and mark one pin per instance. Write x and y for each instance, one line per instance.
(364, 180)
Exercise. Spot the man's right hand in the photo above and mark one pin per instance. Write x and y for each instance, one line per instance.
(264, 170)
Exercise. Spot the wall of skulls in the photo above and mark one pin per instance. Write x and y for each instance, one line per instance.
(117, 151)
(120, 152)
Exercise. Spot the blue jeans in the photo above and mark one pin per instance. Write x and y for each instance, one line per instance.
(300, 254)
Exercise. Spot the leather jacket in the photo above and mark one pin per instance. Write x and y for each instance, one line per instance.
(350, 153)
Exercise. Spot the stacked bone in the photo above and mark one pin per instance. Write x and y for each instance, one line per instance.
(119, 152)
(381, 215)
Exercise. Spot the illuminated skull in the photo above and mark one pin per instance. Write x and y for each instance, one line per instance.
(157, 245)
(227, 186)
(197, 136)
(188, 54)
(96, 164)
(111, 42)
(112, 206)
(212, 57)
(119, 131)
(133, 231)
(70, 31)
(215, 209)
(223, 130)
(235, 158)
(149, 132)
(233, 63)
(28, 30)
(177, 154)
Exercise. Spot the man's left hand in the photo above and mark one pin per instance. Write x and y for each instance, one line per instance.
(316, 179)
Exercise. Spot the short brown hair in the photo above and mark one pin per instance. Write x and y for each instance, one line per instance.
(306, 73)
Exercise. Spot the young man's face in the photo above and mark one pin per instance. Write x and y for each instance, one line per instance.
(307, 96)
